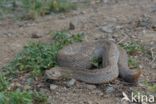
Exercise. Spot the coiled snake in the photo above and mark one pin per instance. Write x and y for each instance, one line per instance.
(75, 61)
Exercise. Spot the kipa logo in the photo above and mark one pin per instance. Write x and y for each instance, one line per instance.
(138, 97)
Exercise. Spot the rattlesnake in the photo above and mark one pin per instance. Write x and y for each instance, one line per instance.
(75, 61)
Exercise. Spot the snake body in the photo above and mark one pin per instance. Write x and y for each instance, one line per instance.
(75, 61)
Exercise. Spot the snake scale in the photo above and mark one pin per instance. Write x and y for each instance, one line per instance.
(75, 61)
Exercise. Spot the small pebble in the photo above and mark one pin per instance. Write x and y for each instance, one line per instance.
(27, 87)
(53, 87)
(91, 87)
(88, 102)
(141, 67)
(153, 66)
(50, 100)
(110, 90)
(83, 12)
(71, 82)
(44, 91)
(107, 29)
(35, 35)
(97, 92)
(71, 26)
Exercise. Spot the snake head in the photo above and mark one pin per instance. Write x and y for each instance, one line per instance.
(52, 74)
(58, 73)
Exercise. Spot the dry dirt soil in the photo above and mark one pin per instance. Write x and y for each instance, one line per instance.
(120, 20)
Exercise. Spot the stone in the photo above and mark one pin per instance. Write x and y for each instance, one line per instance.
(105, 1)
(71, 26)
(83, 12)
(97, 92)
(27, 87)
(36, 35)
(44, 90)
(153, 66)
(107, 28)
(53, 87)
(91, 87)
(88, 102)
(50, 100)
(109, 90)
(145, 22)
(71, 82)
(30, 81)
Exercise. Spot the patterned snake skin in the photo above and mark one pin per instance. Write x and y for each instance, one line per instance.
(75, 61)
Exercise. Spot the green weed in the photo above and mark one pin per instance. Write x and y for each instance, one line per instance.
(96, 62)
(61, 6)
(31, 9)
(5, 8)
(63, 38)
(3, 82)
(22, 97)
(37, 57)
(35, 8)
(39, 98)
(132, 62)
(150, 86)
(12, 97)
(133, 48)
(3, 98)
(15, 97)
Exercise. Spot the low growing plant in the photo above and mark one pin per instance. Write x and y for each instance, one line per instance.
(22, 97)
(150, 86)
(37, 57)
(31, 9)
(3, 82)
(132, 48)
(39, 98)
(133, 63)
(61, 5)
